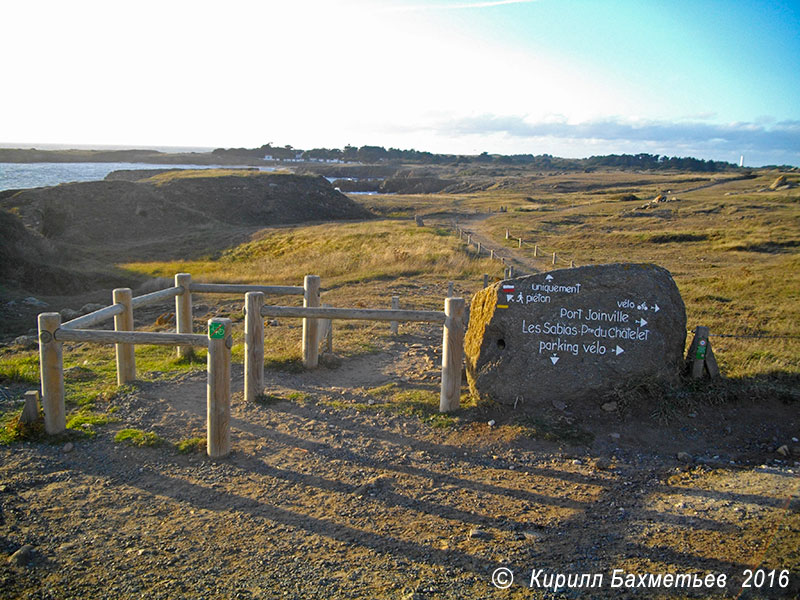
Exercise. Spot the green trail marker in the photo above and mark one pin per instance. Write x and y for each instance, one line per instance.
(701, 350)
(216, 331)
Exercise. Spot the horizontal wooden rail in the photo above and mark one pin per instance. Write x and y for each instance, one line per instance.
(238, 288)
(363, 314)
(93, 318)
(130, 337)
(154, 297)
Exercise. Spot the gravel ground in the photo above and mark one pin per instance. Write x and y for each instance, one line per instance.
(321, 500)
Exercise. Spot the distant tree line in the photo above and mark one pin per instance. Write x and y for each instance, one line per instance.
(379, 154)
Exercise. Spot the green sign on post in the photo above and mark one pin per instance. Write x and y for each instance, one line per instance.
(701, 350)
(216, 331)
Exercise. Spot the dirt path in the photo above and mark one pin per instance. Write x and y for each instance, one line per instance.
(328, 496)
(473, 224)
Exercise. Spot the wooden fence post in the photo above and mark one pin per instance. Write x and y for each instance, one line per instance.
(507, 234)
(701, 355)
(126, 358)
(479, 248)
(450, 289)
(310, 339)
(452, 354)
(51, 369)
(491, 254)
(535, 250)
(183, 311)
(511, 272)
(485, 280)
(395, 306)
(554, 258)
(253, 346)
(218, 397)
(520, 243)
(469, 239)
(572, 264)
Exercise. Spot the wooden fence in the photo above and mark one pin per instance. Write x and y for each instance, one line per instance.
(538, 251)
(219, 341)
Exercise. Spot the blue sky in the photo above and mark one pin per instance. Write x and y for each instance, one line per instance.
(569, 78)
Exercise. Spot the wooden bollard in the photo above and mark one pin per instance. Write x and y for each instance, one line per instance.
(126, 358)
(511, 272)
(469, 239)
(520, 243)
(507, 234)
(491, 254)
(572, 264)
(701, 355)
(554, 258)
(30, 411)
(395, 306)
(183, 310)
(485, 280)
(450, 289)
(452, 354)
(310, 339)
(253, 346)
(51, 368)
(479, 247)
(218, 397)
(535, 250)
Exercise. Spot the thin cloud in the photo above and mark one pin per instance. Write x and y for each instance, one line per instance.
(782, 136)
(461, 6)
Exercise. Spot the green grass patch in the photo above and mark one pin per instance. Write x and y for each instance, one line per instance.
(19, 368)
(137, 437)
(86, 422)
(270, 399)
(12, 430)
(191, 445)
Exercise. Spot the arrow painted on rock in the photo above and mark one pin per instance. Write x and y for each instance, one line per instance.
(641, 322)
(618, 351)
(554, 358)
(656, 308)
(549, 278)
(509, 297)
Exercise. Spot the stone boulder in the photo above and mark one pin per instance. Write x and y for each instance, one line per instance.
(574, 334)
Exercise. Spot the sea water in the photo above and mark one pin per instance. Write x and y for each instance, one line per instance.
(14, 176)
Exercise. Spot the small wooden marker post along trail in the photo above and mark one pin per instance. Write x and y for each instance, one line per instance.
(218, 396)
(701, 355)
(30, 412)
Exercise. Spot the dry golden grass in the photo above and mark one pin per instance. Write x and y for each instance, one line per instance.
(342, 254)
(734, 253)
